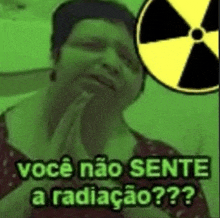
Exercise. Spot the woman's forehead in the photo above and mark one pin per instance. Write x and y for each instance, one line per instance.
(103, 29)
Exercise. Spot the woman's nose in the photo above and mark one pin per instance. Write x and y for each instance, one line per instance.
(111, 61)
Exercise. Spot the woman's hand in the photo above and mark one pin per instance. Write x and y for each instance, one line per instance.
(66, 138)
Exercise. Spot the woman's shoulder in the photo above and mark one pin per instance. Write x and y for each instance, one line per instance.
(153, 147)
(149, 147)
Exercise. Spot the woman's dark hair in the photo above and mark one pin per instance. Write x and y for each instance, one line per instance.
(70, 12)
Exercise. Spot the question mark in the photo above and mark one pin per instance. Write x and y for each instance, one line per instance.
(190, 190)
(175, 191)
(160, 191)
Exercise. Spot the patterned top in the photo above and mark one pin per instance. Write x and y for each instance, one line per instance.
(144, 148)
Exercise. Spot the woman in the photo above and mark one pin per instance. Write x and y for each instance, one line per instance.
(96, 76)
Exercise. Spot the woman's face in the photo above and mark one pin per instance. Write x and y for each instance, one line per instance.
(100, 56)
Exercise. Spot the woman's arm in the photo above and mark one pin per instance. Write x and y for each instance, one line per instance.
(17, 203)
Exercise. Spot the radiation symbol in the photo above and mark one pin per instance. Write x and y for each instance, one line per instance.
(177, 41)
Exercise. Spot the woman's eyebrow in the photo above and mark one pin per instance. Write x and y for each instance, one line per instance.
(93, 38)
(118, 44)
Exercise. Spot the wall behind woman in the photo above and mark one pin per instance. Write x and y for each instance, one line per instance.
(189, 123)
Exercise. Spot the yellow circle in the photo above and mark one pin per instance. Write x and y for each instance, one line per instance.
(167, 59)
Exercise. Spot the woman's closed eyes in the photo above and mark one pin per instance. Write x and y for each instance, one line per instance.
(96, 46)
(99, 46)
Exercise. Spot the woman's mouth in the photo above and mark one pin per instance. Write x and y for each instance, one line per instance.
(104, 81)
